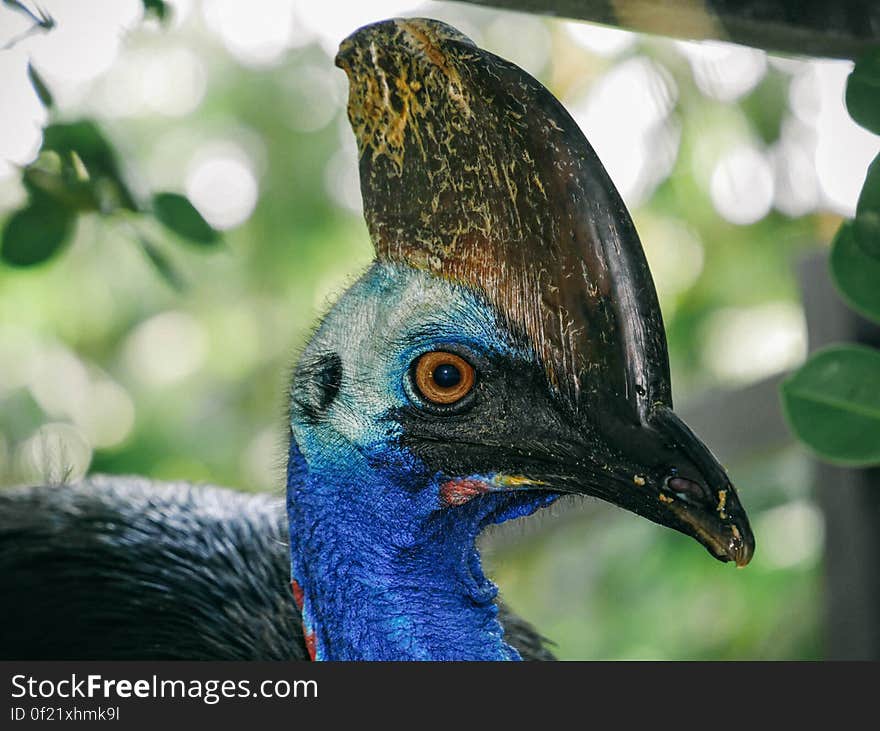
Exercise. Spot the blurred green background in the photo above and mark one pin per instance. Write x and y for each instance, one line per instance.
(733, 163)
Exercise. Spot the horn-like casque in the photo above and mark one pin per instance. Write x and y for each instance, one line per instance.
(472, 170)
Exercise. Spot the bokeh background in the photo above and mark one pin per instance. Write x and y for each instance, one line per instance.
(733, 162)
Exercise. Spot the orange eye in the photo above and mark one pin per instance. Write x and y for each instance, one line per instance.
(443, 378)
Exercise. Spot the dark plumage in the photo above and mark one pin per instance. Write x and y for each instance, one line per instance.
(124, 568)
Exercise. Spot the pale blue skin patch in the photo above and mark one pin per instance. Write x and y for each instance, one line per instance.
(378, 327)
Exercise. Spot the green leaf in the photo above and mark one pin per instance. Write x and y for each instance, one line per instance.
(856, 274)
(83, 137)
(157, 9)
(35, 233)
(866, 231)
(40, 87)
(82, 146)
(832, 404)
(178, 214)
(51, 177)
(867, 221)
(863, 91)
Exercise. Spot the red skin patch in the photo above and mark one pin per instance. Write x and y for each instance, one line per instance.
(458, 492)
(310, 643)
(297, 594)
(309, 636)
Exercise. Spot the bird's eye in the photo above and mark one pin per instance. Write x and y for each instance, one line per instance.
(443, 378)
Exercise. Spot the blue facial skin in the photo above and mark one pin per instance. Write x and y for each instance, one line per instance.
(387, 570)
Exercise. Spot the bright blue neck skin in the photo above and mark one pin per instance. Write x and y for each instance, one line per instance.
(387, 570)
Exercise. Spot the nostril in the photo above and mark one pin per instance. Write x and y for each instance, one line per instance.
(687, 489)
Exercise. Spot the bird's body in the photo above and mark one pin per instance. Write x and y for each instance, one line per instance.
(125, 568)
(505, 348)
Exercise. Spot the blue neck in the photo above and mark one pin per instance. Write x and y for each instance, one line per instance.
(387, 586)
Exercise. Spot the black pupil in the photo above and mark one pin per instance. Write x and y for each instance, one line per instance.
(446, 375)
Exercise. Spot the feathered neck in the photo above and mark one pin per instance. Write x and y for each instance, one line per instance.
(392, 589)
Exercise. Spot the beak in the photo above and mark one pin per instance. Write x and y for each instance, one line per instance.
(664, 473)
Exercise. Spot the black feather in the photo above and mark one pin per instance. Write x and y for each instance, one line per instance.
(122, 568)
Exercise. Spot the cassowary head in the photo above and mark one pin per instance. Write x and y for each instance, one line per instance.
(505, 348)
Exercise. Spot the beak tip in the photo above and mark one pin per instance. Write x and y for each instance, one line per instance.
(729, 539)
(739, 546)
(743, 549)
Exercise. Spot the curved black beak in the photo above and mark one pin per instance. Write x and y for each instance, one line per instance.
(661, 471)
(701, 496)
(714, 517)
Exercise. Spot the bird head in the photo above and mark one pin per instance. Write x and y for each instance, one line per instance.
(507, 346)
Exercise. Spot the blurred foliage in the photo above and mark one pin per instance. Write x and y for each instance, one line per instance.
(856, 272)
(157, 9)
(35, 232)
(863, 90)
(831, 401)
(43, 93)
(191, 385)
(78, 172)
(867, 220)
(834, 402)
(41, 20)
(181, 216)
